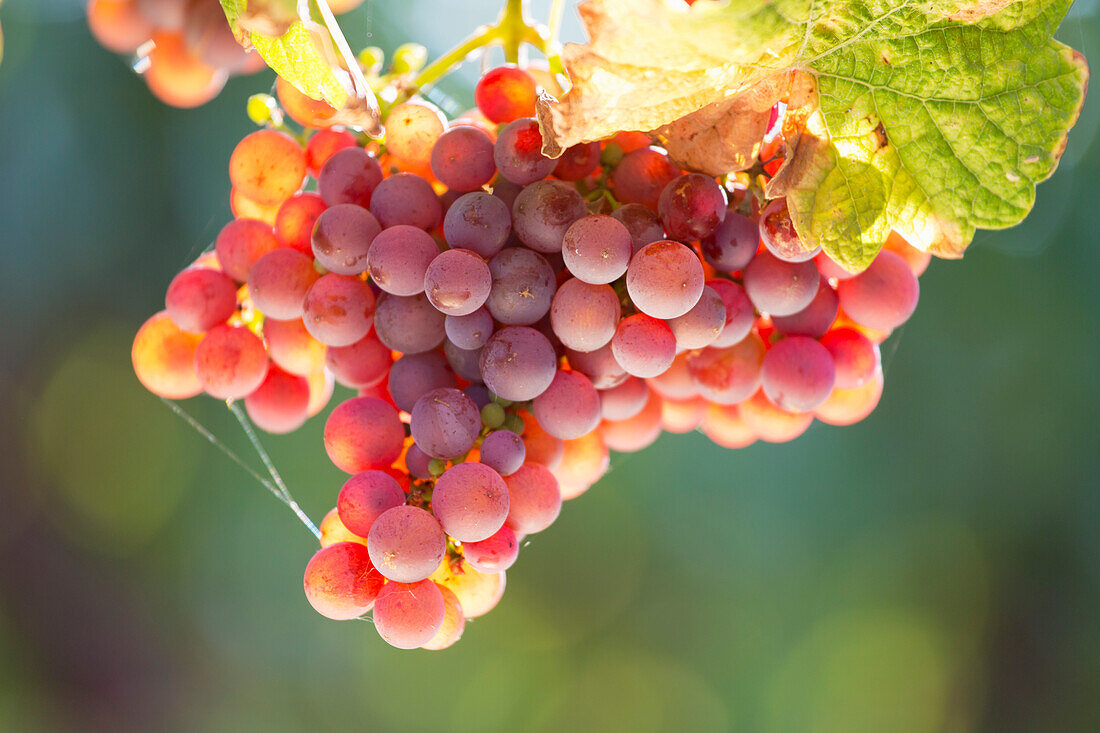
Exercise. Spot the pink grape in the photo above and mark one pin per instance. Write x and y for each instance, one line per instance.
(445, 423)
(584, 316)
(643, 346)
(291, 347)
(813, 320)
(778, 234)
(493, 554)
(364, 433)
(399, 258)
(342, 238)
(362, 364)
(278, 283)
(457, 282)
(569, 407)
(365, 497)
(624, 401)
(406, 544)
(240, 243)
(597, 249)
(600, 366)
(470, 500)
(417, 461)
(280, 404)
(164, 358)
(230, 362)
(770, 423)
(503, 451)
(830, 269)
(730, 374)
(740, 314)
(466, 363)
(701, 325)
(349, 177)
(462, 159)
(340, 581)
(641, 176)
(408, 615)
(200, 298)
(855, 356)
(676, 382)
(540, 446)
(780, 288)
(798, 374)
(883, 296)
(665, 279)
(518, 363)
(338, 310)
(577, 162)
(635, 433)
(534, 498)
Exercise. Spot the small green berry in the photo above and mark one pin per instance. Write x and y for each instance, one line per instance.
(371, 58)
(262, 109)
(492, 415)
(436, 467)
(408, 58)
(514, 423)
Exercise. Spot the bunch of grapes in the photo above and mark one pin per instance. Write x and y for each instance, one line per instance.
(185, 47)
(506, 319)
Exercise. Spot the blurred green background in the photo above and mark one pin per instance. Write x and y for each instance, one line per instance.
(934, 568)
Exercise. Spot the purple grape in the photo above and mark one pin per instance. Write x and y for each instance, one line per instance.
(544, 211)
(644, 225)
(584, 316)
(665, 279)
(414, 375)
(692, 206)
(644, 346)
(417, 462)
(883, 296)
(406, 198)
(569, 407)
(338, 310)
(469, 331)
(523, 286)
(479, 222)
(362, 364)
(740, 315)
(518, 363)
(406, 544)
(798, 374)
(465, 362)
(445, 423)
(349, 177)
(815, 319)
(503, 451)
(780, 288)
(408, 324)
(733, 244)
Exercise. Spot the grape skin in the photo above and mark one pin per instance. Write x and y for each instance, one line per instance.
(569, 407)
(798, 374)
(340, 581)
(539, 445)
(399, 258)
(406, 544)
(278, 283)
(200, 298)
(518, 363)
(406, 198)
(408, 324)
(279, 405)
(855, 356)
(462, 159)
(643, 346)
(163, 356)
(692, 206)
(644, 225)
(342, 236)
(624, 401)
(268, 166)
(231, 362)
(701, 325)
(815, 319)
(240, 243)
(544, 211)
(471, 501)
(409, 615)
(365, 497)
(292, 348)
(518, 153)
(445, 423)
(414, 375)
(494, 554)
(338, 310)
(780, 288)
(883, 296)
(597, 249)
(469, 331)
(295, 219)
(534, 498)
(728, 375)
(733, 244)
(363, 433)
(584, 316)
(457, 282)
(350, 176)
(362, 364)
(665, 279)
(522, 286)
(641, 176)
(479, 222)
(584, 461)
(454, 622)
(503, 451)
(506, 94)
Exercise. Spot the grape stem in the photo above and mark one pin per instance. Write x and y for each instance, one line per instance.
(511, 31)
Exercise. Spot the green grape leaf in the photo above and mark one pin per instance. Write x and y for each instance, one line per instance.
(311, 54)
(929, 117)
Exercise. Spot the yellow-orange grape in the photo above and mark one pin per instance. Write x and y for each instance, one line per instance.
(877, 336)
(333, 531)
(771, 423)
(916, 259)
(477, 592)
(303, 109)
(291, 346)
(268, 166)
(682, 416)
(542, 447)
(118, 24)
(723, 425)
(583, 462)
(411, 130)
(177, 76)
(164, 358)
(321, 386)
(848, 406)
(454, 623)
(245, 208)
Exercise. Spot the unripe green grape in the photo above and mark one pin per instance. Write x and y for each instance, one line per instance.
(262, 109)
(372, 58)
(497, 399)
(409, 57)
(436, 467)
(492, 415)
(514, 423)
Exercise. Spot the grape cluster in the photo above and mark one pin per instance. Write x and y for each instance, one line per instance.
(506, 320)
(186, 50)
